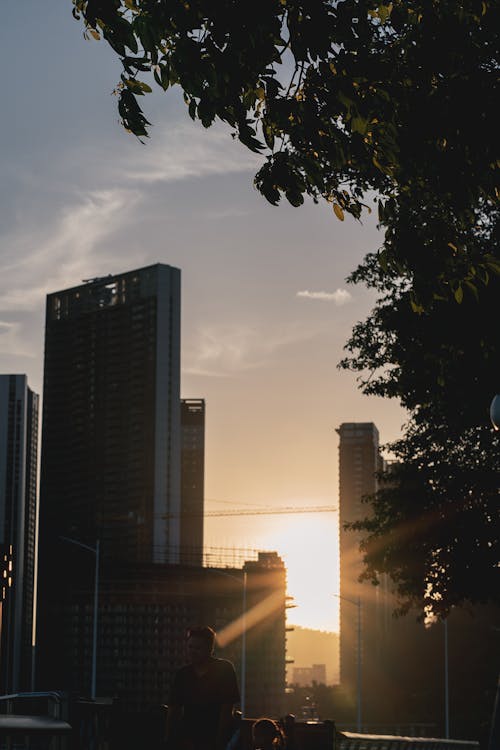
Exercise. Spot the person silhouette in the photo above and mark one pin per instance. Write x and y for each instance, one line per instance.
(204, 691)
(267, 735)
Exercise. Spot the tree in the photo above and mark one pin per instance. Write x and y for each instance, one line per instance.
(354, 101)
(433, 525)
(343, 99)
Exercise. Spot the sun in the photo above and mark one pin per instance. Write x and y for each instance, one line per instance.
(308, 544)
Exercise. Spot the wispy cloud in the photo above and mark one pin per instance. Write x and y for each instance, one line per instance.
(11, 342)
(70, 245)
(338, 297)
(180, 153)
(224, 350)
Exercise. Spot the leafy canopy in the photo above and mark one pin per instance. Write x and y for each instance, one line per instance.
(342, 98)
(434, 524)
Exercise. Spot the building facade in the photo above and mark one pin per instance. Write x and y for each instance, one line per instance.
(360, 604)
(192, 480)
(265, 642)
(110, 465)
(307, 676)
(18, 518)
(144, 613)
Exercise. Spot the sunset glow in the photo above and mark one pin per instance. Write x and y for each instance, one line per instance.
(308, 544)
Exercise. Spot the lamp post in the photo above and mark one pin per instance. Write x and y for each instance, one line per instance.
(357, 603)
(95, 551)
(244, 647)
(446, 691)
(495, 719)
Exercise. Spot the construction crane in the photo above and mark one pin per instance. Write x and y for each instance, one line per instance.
(263, 511)
(285, 510)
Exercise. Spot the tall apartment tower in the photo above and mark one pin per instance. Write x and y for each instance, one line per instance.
(18, 510)
(359, 461)
(111, 437)
(111, 415)
(192, 480)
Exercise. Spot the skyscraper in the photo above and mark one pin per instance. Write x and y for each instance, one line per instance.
(18, 507)
(192, 479)
(359, 461)
(111, 434)
(111, 415)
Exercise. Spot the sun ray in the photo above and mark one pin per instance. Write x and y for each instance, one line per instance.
(249, 619)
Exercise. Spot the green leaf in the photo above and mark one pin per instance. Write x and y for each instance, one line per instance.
(473, 289)
(139, 88)
(359, 125)
(192, 109)
(382, 259)
(295, 199)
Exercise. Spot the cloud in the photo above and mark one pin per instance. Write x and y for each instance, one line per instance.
(67, 249)
(11, 341)
(224, 350)
(338, 297)
(187, 151)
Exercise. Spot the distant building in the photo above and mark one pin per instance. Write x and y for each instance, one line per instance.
(359, 462)
(306, 676)
(18, 509)
(111, 438)
(266, 635)
(306, 646)
(111, 415)
(403, 685)
(192, 479)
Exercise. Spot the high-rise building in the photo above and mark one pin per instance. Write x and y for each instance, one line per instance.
(192, 479)
(18, 509)
(359, 462)
(404, 688)
(111, 415)
(111, 436)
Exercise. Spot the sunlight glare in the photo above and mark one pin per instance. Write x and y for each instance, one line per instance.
(308, 545)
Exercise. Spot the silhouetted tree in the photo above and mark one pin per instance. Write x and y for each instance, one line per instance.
(346, 101)
(434, 523)
(343, 99)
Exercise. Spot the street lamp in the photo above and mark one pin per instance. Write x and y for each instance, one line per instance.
(495, 721)
(244, 647)
(95, 551)
(446, 692)
(495, 412)
(357, 603)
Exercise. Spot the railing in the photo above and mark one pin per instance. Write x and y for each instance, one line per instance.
(32, 720)
(323, 735)
(47, 703)
(27, 716)
(354, 741)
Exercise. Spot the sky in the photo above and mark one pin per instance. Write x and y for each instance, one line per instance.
(265, 307)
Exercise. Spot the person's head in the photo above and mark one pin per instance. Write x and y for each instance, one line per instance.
(200, 644)
(267, 735)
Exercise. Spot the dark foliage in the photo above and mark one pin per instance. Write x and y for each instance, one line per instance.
(434, 524)
(347, 100)
(341, 98)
